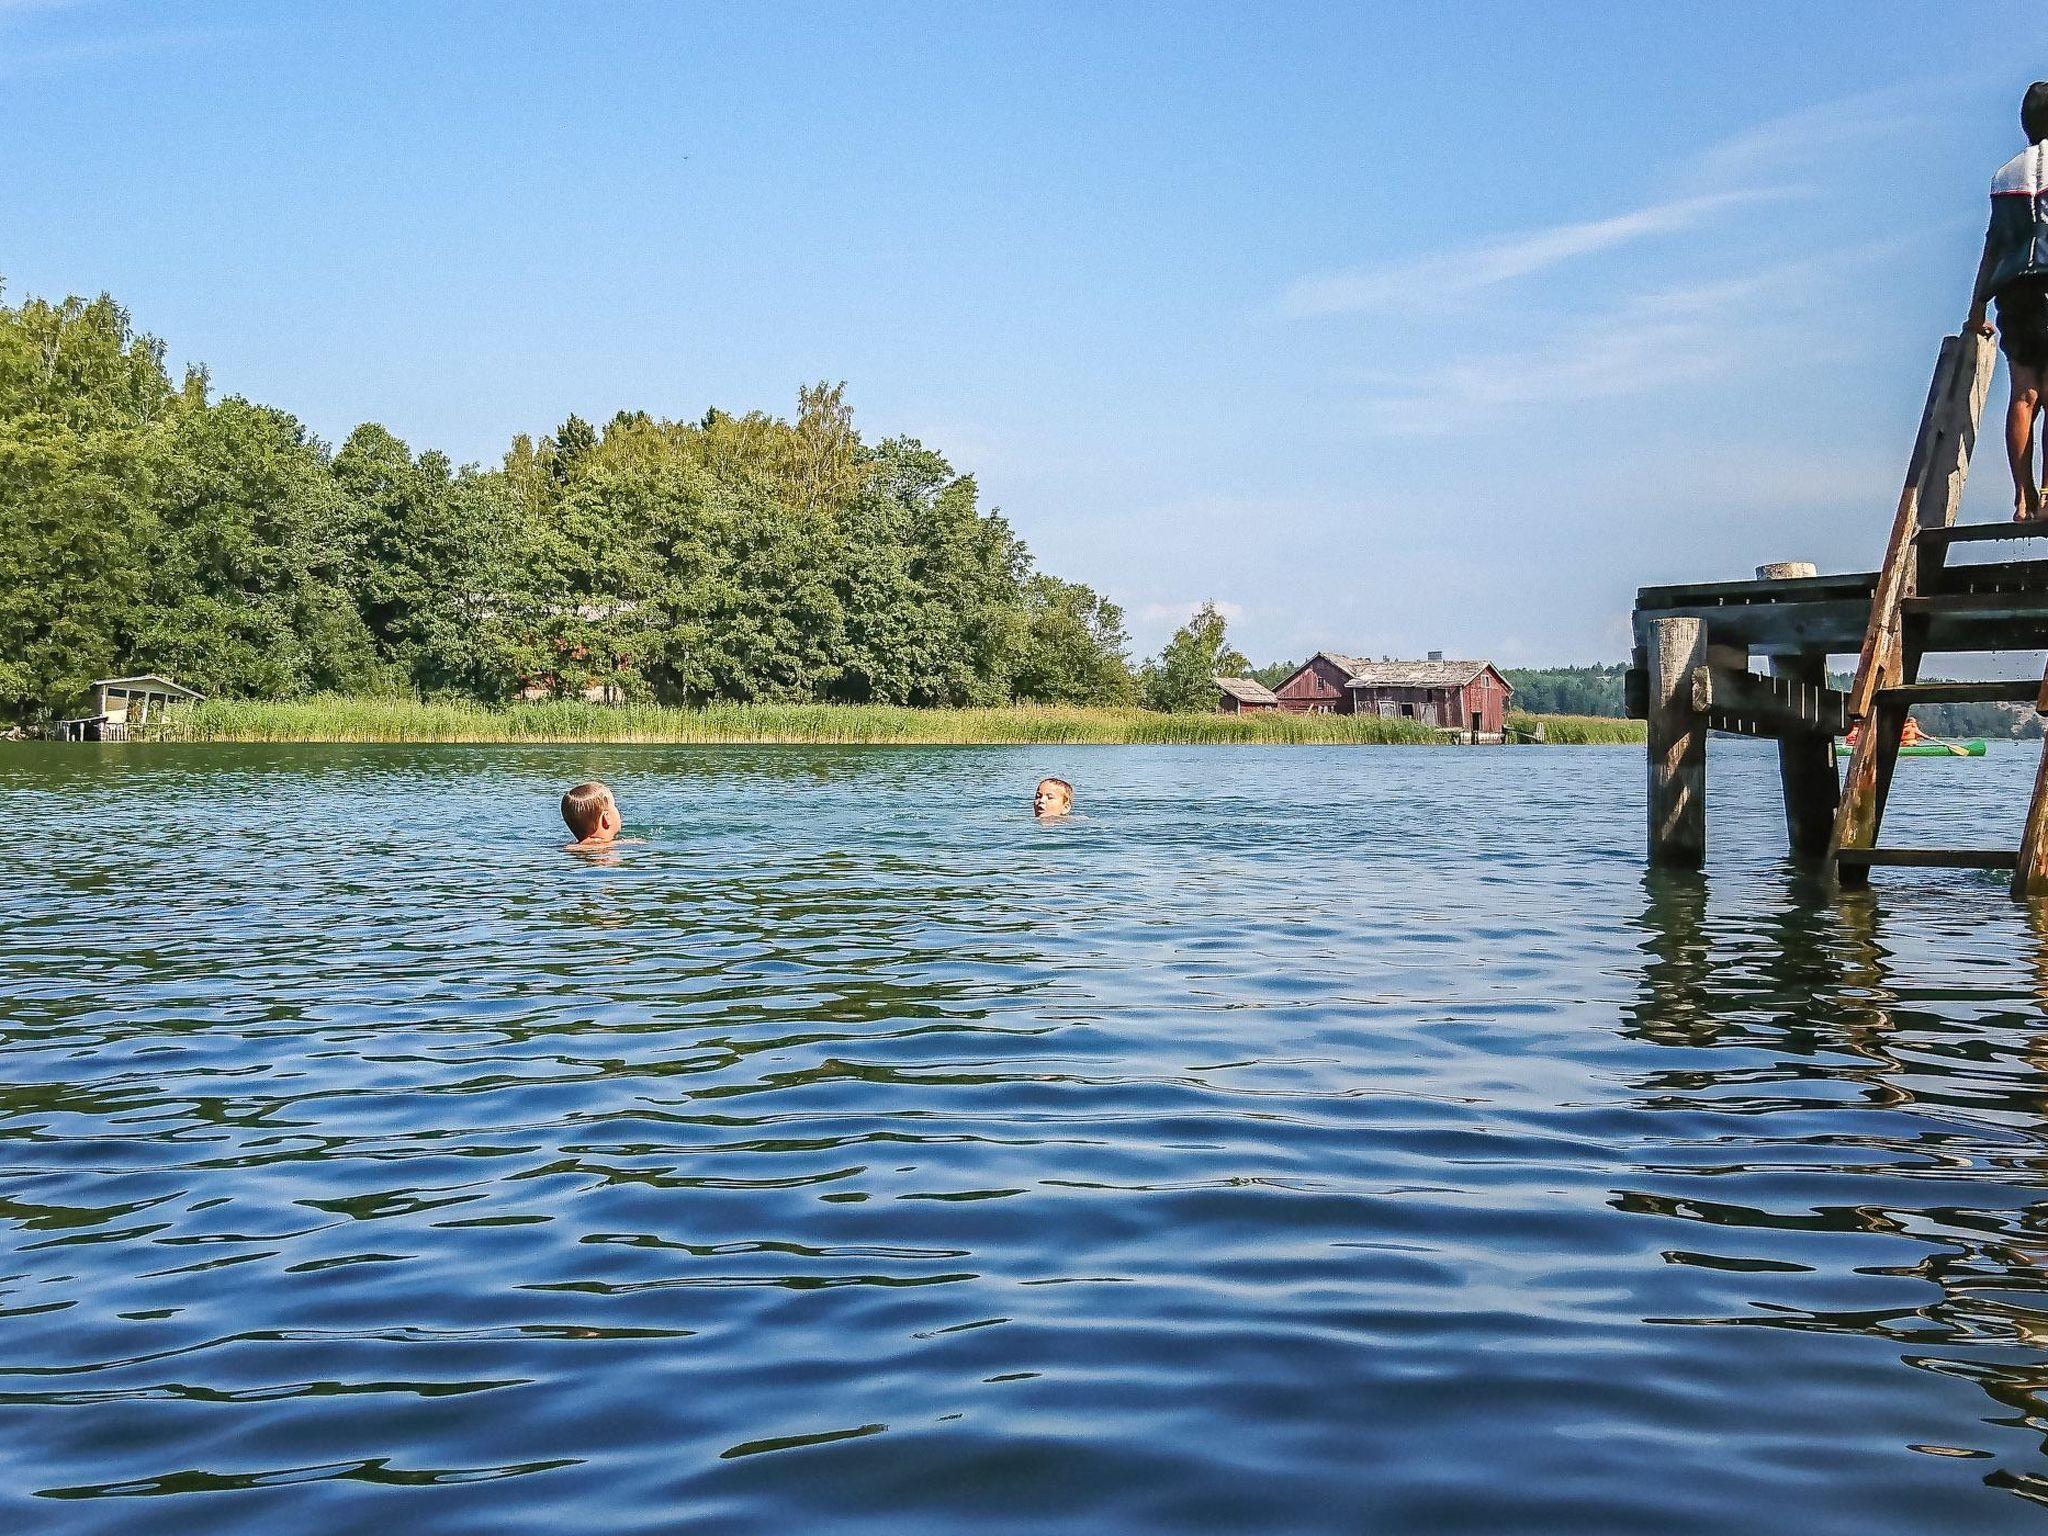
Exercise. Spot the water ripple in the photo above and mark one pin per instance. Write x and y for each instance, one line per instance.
(1302, 1140)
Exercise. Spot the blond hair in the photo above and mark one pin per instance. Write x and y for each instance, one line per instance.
(582, 806)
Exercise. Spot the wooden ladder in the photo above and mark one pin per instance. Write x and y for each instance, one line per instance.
(1916, 588)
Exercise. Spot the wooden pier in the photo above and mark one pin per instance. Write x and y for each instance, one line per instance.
(1694, 673)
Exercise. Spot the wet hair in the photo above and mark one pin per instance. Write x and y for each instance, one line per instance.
(2034, 112)
(582, 806)
(1063, 784)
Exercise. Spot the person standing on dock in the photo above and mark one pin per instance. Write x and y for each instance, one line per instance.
(2014, 271)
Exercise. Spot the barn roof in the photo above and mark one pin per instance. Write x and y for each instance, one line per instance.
(1247, 690)
(1366, 673)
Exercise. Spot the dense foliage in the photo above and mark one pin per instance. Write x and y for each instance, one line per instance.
(145, 526)
(1568, 690)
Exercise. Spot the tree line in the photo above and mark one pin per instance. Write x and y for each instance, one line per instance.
(148, 526)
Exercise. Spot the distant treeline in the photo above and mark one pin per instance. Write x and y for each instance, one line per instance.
(147, 526)
(1593, 690)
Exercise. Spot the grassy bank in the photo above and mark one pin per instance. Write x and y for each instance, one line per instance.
(337, 718)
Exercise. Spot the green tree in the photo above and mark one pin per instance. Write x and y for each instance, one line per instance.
(1183, 679)
(245, 589)
(740, 556)
(83, 400)
(1076, 651)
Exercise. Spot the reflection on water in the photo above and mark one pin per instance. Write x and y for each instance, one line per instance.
(1895, 1101)
(1305, 1139)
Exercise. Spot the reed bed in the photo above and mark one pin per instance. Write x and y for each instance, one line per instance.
(1581, 730)
(349, 719)
(337, 718)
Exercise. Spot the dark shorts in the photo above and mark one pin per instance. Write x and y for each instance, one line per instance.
(2023, 322)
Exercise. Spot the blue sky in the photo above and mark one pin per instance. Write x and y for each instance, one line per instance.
(1393, 327)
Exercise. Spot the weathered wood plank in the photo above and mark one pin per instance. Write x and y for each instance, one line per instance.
(2005, 690)
(1774, 629)
(1777, 703)
(1931, 858)
(1964, 610)
(1979, 533)
(1800, 589)
(1990, 576)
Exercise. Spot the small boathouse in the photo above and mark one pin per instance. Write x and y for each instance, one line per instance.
(1244, 696)
(122, 707)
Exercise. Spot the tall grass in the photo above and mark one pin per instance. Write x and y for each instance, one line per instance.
(342, 718)
(1581, 730)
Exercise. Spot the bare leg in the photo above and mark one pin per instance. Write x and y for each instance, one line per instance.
(2027, 386)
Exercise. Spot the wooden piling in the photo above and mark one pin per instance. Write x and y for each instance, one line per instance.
(1806, 768)
(1678, 743)
(1806, 759)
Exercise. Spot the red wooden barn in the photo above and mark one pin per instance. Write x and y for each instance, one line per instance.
(1453, 695)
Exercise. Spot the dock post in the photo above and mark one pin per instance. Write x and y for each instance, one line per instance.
(1806, 768)
(1806, 759)
(1678, 744)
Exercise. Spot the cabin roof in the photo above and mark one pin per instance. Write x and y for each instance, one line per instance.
(149, 682)
(1366, 673)
(1247, 690)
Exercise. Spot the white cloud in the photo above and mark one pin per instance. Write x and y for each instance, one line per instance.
(1470, 269)
(1742, 170)
(1622, 354)
(1795, 140)
(1649, 342)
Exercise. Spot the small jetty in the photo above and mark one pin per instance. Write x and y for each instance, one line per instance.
(124, 707)
(1694, 646)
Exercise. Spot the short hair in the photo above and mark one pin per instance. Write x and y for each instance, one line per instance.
(2034, 112)
(582, 806)
(1063, 784)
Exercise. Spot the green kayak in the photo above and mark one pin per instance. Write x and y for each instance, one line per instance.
(1927, 749)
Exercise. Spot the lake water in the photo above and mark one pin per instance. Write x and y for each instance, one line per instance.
(1321, 1140)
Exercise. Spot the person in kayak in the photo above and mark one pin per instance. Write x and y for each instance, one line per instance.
(2014, 271)
(1909, 736)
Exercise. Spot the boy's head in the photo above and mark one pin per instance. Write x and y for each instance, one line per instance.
(2034, 112)
(1055, 797)
(592, 813)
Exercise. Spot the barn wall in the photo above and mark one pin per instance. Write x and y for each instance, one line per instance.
(1319, 687)
(1487, 697)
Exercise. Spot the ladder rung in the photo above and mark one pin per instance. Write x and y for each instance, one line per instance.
(2020, 608)
(2009, 690)
(1937, 858)
(1980, 533)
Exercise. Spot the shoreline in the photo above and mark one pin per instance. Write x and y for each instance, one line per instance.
(335, 720)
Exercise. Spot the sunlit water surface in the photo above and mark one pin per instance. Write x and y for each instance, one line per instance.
(1298, 1140)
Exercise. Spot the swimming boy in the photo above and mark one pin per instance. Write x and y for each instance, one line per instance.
(2014, 271)
(592, 814)
(1055, 797)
